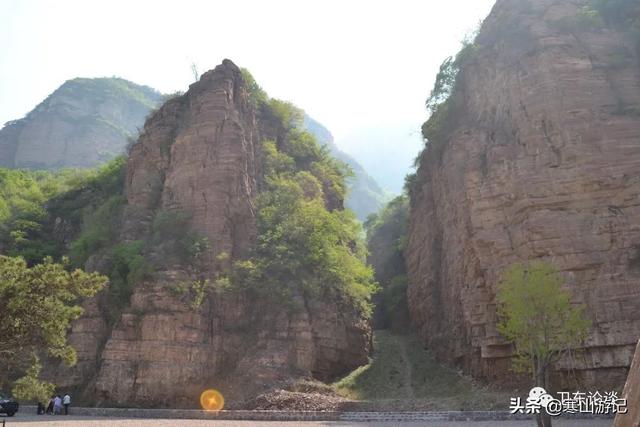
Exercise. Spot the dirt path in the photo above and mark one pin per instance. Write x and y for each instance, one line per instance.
(407, 370)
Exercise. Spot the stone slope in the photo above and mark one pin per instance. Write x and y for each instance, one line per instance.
(541, 160)
(84, 123)
(200, 153)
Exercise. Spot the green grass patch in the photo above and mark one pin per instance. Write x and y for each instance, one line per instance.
(401, 369)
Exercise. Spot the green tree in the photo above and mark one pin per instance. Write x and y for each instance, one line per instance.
(38, 305)
(537, 316)
(30, 387)
(303, 245)
(386, 240)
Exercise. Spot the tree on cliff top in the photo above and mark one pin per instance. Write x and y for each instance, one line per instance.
(38, 304)
(537, 316)
(306, 244)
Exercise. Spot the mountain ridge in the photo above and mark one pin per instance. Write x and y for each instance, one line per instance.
(365, 195)
(83, 123)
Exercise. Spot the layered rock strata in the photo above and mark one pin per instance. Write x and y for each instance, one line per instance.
(541, 161)
(200, 153)
(83, 123)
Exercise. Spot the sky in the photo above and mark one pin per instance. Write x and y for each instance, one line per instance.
(357, 66)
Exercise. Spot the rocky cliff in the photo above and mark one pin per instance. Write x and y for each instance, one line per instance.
(84, 123)
(536, 155)
(87, 122)
(201, 153)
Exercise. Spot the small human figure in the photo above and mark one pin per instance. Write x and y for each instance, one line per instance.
(66, 401)
(40, 408)
(57, 405)
(50, 406)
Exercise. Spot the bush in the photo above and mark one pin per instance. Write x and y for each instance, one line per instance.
(127, 267)
(445, 97)
(99, 229)
(26, 227)
(302, 247)
(386, 240)
(30, 387)
(38, 304)
(172, 234)
(257, 95)
(285, 113)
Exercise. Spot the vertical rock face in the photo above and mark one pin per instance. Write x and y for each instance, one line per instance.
(84, 123)
(200, 153)
(542, 161)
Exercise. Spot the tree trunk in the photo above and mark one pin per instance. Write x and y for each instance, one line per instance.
(543, 419)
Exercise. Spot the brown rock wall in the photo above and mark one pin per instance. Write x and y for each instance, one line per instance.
(200, 154)
(542, 163)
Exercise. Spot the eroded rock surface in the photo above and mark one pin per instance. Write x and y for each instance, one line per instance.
(200, 153)
(84, 123)
(541, 161)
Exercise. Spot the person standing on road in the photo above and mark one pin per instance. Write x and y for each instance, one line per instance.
(66, 401)
(50, 406)
(57, 406)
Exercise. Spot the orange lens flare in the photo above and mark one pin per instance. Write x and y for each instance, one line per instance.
(211, 400)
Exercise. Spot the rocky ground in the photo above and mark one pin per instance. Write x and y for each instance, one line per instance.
(299, 396)
(401, 376)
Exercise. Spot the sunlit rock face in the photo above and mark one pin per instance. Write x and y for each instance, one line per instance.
(542, 162)
(200, 153)
(83, 123)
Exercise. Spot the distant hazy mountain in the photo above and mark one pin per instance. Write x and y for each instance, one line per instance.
(85, 122)
(365, 195)
(386, 151)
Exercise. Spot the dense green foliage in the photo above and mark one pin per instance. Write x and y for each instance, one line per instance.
(38, 304)
(30, 201)
(98, 230)
(445, 98)
(30, 387)
(257, 94)
(386, 241)
(537, 316)
(126, 266)
(89, 203)
(445, 81)
(115, 87)
(302, 246)
(364, 195)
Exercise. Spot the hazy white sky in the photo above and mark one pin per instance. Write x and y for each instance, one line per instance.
(351, 64)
